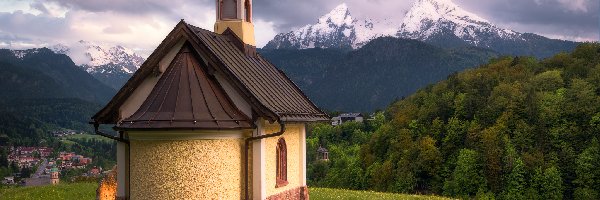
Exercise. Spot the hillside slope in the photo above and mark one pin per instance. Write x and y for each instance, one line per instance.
(43, 91)
(41, 73)
(369, 78)
(514, 128)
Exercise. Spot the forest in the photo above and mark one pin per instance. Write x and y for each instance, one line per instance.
(515, 128)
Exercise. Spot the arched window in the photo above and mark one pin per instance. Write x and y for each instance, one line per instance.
(228, 9)
(248, 9)
(281, 163)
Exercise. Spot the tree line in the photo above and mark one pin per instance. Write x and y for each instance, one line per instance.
(515, 128)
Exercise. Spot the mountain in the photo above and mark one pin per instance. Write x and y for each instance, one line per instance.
(445, 24)
(41, 73)
(112, 65)
(438, 22)
(430, 18)
(371, 77)
(337, 29)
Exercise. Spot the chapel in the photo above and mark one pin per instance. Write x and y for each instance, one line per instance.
(207, 117)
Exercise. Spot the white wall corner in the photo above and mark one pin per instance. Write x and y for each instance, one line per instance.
(122, 170)
(259, 191)
(303, 154)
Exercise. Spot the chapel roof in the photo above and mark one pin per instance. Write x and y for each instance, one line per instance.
(187, 97)
(270, 93)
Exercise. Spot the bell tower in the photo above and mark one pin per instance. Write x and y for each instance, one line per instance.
(237, 16)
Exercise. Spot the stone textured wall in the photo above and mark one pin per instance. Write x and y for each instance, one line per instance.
(300, 193)
(193, 169)
(292, 140)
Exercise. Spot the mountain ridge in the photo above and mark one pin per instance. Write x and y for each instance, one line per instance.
(337, 29)
(26, 71)
(441, 23)
(112, 65)
(369, 78)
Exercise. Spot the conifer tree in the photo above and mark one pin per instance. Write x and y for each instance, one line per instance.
(587, 172)
(467, 178)
(552, 187)
(515, 178)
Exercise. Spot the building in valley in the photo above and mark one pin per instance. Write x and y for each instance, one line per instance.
(347, 117)
(54, 179)
(206, 117)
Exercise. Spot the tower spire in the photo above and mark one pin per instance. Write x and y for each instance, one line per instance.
(237, 16)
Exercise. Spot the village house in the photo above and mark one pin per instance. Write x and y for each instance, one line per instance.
(65, 156)
(12, 158)
(45, 151)
(95, 171)
(8, 180)
(322, 154)
(26, 150)
(207, 117)
(71, 160)
(25, 157)
(26, 162)
(63, 133)
(347, 117)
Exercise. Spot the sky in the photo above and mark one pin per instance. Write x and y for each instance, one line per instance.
(142, 24)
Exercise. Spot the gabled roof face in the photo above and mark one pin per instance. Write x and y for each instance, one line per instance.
(322, 150)
(264, 81)
(187, 97)
(270, 93)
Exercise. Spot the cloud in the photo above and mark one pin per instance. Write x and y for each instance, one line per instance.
(569, 5)
(267, 31)
(49, 8)
(117, 29)
(143, 24)
(33, 26)
(130, 6)
(288, 14)
(560, 19)
(576, 5)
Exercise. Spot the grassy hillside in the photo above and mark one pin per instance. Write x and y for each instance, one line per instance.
(80, 191)
(327, 193)
(76, 191)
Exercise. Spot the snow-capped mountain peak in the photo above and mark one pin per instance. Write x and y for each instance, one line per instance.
(337, 29)
(435, 21)
(437, 10)
(339, 16)
(431, 18)
(101, 58)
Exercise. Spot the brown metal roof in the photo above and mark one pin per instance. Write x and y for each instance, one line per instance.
(264, 81)
(187, 97)
(270, 93)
